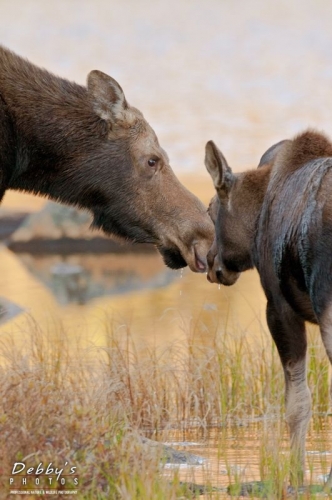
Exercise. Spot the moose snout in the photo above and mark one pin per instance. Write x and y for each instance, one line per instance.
(195, 255)
(187, 232)
(195, 241)
(217, 273)
(186, 250)
(213, 264)
(199, 261)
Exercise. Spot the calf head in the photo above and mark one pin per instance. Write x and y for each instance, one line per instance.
(139, 198)
(230, 252)
(234, 211)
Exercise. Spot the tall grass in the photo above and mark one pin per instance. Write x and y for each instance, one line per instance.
(60, 403)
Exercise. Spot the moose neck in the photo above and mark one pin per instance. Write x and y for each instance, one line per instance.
(252, 188)
(48, 122)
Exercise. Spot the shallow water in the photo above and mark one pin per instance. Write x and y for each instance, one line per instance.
(235, 455)
(159, 306)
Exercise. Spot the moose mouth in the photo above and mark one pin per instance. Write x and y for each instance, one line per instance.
(172, 258)
(227, 278)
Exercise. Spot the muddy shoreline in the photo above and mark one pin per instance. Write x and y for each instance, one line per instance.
(65, 246)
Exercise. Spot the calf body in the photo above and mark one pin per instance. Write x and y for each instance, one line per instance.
(279, 219)
(86, 146)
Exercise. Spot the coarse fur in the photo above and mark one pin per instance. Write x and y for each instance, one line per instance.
(278, 218)
(86, 146)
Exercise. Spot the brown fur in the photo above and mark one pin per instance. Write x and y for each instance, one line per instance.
(86, 146)
(279, 219)
(305, 147)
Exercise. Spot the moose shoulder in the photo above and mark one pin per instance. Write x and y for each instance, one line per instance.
(86, 146)
(279, 219)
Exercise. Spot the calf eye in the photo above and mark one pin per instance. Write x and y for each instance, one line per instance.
(152, 162)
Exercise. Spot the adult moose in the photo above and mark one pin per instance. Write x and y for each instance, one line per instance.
(86, 146)
(279, 219)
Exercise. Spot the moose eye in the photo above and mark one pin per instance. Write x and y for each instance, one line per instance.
(152, 162)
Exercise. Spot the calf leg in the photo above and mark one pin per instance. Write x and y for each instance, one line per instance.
(288, 332)
(325, 325)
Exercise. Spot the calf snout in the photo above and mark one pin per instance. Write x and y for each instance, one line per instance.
(217, 272)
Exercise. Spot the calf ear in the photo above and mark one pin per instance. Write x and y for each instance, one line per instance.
(108, 99)
(270, 154)
(218, 168)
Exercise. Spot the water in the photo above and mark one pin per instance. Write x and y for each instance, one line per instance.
(81, 291)
(236, 455)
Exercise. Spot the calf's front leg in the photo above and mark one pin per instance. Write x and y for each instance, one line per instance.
(289, 334)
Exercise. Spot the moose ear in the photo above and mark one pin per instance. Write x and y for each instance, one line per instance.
(108, 99)
(217, 166)
(270, 154)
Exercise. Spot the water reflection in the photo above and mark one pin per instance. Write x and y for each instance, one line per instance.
(81, 278)
(156, 305)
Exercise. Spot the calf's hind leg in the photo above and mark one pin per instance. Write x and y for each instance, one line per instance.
(325, 325)
(289, 335)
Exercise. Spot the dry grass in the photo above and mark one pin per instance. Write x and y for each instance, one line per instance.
(87, 407)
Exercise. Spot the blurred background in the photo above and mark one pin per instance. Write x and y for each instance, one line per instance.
(243, 73)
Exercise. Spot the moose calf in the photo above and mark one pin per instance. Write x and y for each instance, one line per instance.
(278, 218)
(86, 146)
